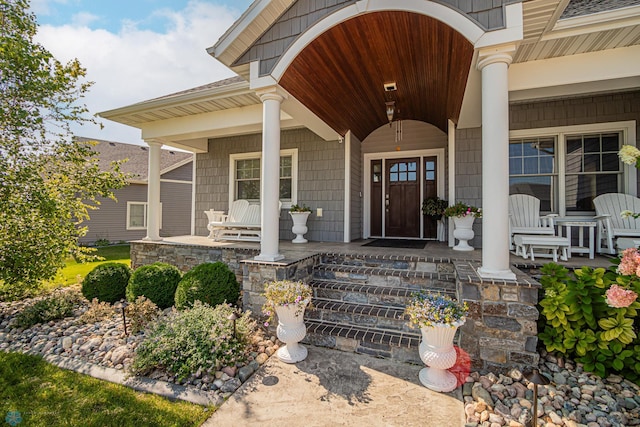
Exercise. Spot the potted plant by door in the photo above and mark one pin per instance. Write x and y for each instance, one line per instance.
(463, 216)
(438, 317)
(434, 207)
(288, 300)
(299, 215)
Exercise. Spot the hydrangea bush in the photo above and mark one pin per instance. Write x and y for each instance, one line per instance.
(591, 315)
(427, 309)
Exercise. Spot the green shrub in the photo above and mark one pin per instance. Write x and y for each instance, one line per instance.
(157, 281)
(577, 320)
(55, 306)
(107, 282)
(210, 283)
(200, 337)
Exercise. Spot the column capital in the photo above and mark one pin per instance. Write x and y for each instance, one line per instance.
(271, 93)
(495, 54)
(154, 142)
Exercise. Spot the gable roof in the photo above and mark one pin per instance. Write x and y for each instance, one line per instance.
(138, 157)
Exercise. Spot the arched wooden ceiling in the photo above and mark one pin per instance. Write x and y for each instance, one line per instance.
(340, 76)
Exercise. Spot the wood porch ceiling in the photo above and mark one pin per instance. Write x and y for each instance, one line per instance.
(340, 76)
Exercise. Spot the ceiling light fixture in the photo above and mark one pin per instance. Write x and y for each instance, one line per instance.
(391, 108)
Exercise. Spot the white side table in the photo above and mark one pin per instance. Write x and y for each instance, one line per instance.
(581, 225)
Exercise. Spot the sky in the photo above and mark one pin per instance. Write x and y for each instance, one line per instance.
(135, 50)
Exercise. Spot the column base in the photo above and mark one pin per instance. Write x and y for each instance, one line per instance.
(488, 273)
(269, 258)
(150, 239)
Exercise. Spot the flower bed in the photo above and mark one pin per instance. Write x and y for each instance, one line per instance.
(103, 342)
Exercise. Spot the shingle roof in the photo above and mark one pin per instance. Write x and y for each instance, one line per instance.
(588, 7)
(219, 83)
(137, 155)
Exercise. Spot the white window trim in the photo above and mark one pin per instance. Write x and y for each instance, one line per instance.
(293, 152)
(627, 128)
(146, 207)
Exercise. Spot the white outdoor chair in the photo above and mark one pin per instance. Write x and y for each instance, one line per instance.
(611, 225)
(524, 217)
(217, 218)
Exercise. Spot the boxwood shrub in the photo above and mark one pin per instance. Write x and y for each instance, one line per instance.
(157, 282)
(210, 283)
(107, 282)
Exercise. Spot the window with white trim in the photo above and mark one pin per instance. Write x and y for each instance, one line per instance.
(137, 214)
(568, 168)
(245, 174)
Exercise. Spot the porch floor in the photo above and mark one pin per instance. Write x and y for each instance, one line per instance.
(434, 250)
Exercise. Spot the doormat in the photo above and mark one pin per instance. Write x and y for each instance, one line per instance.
(397, 243)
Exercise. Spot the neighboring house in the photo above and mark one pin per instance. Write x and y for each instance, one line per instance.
(364, 108)
(126, 218)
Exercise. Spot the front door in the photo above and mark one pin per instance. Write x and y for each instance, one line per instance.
(402, 198)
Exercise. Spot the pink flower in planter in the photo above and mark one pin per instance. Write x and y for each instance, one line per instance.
(618, 297)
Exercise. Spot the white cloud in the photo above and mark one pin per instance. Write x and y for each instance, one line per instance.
(135, 65)
(83, 19)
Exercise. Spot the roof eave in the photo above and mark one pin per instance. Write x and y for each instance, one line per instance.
(227, 91)
(231, 45)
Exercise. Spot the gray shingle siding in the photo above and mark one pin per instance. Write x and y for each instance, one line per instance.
(320, 180)
(110, 221)
(469, 173)
(303, 14)
(356, 190)
(182, 173)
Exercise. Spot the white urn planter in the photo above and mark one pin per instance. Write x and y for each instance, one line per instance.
(437, 352)
(463, 231)
(299, 226)
(291, 330)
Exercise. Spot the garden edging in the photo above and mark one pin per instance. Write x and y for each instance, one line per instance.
(144, 384)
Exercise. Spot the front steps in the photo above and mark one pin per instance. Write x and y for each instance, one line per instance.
(359, 302)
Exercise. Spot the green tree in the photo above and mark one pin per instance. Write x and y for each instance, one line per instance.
(48, 181)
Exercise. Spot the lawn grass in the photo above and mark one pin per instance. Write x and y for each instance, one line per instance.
(46, 395)
(74, 270)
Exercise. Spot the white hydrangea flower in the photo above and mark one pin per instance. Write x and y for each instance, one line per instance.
(628, 154)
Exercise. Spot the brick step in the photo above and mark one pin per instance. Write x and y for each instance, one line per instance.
(377, 276)
(396, 296)
(397, 262)
(369, 315)
(396, 345)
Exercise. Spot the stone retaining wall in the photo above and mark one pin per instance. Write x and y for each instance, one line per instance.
(185, 256)
(501, 330)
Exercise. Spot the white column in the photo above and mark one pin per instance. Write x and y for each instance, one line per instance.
(153, 192)
(494, 65)
(270, 175)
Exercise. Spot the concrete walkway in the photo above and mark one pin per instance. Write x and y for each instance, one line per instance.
(334, 388)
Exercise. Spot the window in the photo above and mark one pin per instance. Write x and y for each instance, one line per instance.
(137, 215)
(566, 168)
(245, 176)
(532, 169)
(592, 168)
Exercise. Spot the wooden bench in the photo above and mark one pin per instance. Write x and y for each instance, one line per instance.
(526, 245)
